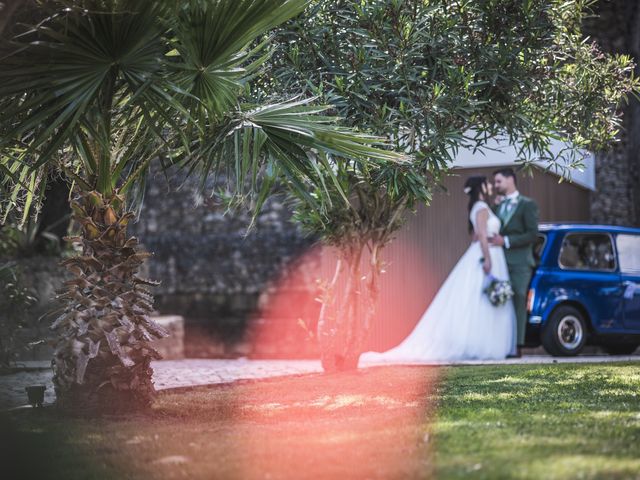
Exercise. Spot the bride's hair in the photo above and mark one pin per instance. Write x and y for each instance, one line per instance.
(473, 188)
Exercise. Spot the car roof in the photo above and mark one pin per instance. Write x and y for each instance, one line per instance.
(586, 227)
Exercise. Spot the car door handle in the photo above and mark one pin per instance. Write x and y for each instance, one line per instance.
(630, 289)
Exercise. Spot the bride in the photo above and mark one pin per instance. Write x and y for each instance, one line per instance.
(461, 323)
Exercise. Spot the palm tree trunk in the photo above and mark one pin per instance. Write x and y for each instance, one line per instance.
(103, 348)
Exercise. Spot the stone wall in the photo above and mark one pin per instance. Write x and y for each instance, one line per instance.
(213, 270)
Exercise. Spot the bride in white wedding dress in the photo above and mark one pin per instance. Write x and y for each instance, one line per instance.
(461, 323)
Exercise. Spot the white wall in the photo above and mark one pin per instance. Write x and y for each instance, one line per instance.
(505, 154)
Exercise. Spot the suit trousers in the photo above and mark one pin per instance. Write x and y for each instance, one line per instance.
(520, 276)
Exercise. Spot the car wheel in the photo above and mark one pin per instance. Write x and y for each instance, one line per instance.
(622, 349)
(565, 333)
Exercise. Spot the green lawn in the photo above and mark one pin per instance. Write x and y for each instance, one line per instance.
(538, 422)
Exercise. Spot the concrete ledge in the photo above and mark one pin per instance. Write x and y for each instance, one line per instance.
(172, 347)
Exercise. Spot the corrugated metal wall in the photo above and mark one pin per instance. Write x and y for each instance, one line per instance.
(433, 240)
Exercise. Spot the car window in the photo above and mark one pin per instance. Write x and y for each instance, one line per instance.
(587, 251)
(629, 253)
(538, 247)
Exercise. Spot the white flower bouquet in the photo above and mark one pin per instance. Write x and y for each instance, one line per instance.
(498, 291)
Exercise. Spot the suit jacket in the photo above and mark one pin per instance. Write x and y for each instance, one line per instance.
(522, 229)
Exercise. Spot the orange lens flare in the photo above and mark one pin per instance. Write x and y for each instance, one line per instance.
(371, 423)
(368, 423)
(286, 322)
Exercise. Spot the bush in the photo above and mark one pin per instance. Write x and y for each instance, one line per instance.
(15, 301)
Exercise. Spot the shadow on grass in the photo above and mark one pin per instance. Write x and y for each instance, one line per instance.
(35, 444)
(367, 424)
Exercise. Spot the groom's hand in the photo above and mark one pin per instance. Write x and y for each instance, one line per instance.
(497, 240)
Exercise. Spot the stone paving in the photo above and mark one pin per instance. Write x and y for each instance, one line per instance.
(192, 372)
(186, 373)
(167, 374)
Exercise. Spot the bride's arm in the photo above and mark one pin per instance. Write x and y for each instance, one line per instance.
(482, 218)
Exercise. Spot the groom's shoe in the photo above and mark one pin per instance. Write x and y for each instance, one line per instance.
(518, 353)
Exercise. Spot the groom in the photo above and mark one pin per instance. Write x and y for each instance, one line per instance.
(519, 217)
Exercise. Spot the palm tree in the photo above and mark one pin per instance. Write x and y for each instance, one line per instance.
(97, 90)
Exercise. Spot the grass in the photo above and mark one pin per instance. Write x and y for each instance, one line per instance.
(551, 421)
(531, 422)
(358, 425)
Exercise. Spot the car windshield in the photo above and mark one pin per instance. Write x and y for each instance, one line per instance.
(587, 251)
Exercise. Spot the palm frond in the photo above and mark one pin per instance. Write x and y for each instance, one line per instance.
(290, 140)
(211, 44)
(107, 86)
(70, 78)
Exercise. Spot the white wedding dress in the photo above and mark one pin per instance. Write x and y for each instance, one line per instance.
(461, 324)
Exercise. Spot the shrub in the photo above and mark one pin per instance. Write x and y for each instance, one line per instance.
(15, 301)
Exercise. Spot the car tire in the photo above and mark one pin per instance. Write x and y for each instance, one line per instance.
(565, 333)
(621, 349)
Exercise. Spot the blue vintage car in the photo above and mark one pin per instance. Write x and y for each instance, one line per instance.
(586, 289)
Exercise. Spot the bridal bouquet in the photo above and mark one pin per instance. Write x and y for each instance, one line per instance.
(498, 291)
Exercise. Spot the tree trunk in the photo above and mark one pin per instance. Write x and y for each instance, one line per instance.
(54, 217)
(616, 29)
(331, 335)
(103, 347)
(348, 307)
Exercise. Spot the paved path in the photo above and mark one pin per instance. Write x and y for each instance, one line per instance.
(167, 374)
(185, 373)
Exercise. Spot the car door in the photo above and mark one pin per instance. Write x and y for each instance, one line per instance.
(629, 260)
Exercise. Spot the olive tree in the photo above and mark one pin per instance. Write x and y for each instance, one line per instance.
(433, 77)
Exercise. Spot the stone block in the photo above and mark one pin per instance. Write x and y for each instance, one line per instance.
(172, 347)
(240, 349)
(204, 347)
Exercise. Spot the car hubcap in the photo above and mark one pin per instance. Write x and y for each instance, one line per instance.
(570, 332)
